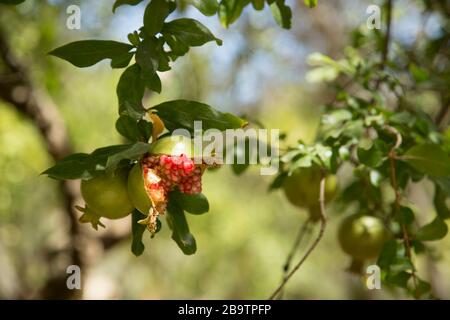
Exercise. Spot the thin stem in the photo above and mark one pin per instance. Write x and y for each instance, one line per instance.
(398, 198)
(385, 52)
(387, 40)
(323, 223)
(298, 240)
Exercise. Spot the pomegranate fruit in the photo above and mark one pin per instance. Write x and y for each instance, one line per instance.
(107, 195)
(362, 237)
(302, 188)
(168, 165)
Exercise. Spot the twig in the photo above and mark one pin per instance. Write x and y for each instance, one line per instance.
(387, 40)
(298, 240)
(323, 223)
(398, 197)
(385, 52)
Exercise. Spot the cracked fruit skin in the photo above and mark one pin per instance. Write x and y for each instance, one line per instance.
(302, 188)
(107, 196)
(362, 237)
(173, 146)
(136, 190)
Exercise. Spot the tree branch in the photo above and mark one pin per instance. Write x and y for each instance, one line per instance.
(17, 90)
(387, 39)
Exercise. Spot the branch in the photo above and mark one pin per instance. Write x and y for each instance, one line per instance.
(387, 39)
(17, 90)
(323, 223)
(398, 198)
(298, 240)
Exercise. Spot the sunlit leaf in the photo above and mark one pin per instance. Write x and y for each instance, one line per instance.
(429, 159)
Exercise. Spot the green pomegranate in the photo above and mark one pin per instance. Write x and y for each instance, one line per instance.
(302, 188)
(136, 190)
(107, 195)
(362, 237)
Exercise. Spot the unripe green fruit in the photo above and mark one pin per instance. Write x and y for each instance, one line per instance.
(107, 196)
(362, 237)
(302, 188)
(136, 190)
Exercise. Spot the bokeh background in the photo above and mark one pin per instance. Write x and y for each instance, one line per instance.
(260, 71)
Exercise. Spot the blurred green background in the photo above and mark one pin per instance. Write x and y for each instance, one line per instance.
(244, 239)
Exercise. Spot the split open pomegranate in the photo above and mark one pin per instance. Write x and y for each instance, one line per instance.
(168, 166)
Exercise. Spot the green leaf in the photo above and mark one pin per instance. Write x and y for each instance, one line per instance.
(14, 2)
(134, 38)
(305, 161)
(278, 181)
(310, 3)
(86, 53)
(178, 47)
(180, 229)
(336, 117)
(207, 7)
(119, 3)
(282, 13)
(127, 127)
(387, 255)
(372, 157)
(122, 61)
(137, 231)
(444, 184)
(153, 83)
(130, 91)
(181, 114)
(423, 287)
(74, 166)
(258, 4)
(440, 198)
(192, 203)
(133, 130)
(230, 10)
(189, 31)
(147, 57)
(435, 230)
(399, 279)
(130, 152)
(86, 166)
(429, 159)
(405, 216)
(155, 14)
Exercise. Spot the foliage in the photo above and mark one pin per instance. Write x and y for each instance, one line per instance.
(371, 125)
